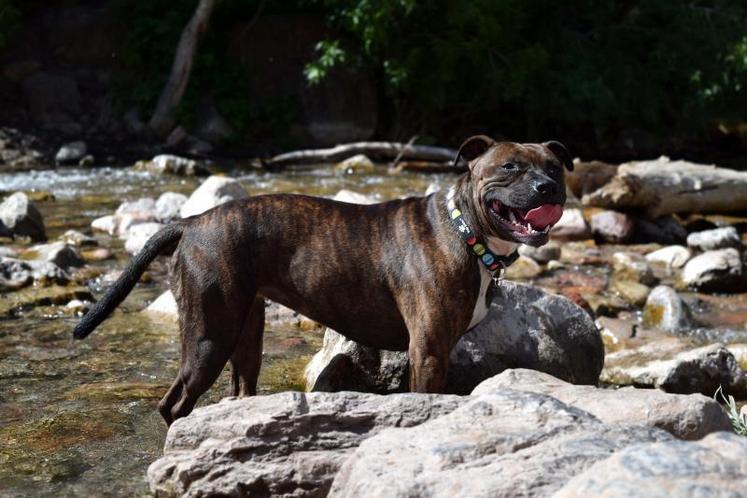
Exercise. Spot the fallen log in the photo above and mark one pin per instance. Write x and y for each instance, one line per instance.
(662, 186)
(380, 151)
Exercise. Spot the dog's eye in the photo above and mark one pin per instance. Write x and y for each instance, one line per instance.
(510, 167)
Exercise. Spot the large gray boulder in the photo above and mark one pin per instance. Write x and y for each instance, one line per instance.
(689, 416)
(214, 191)
(525, 328)
(713, 467)
(286, 444)
(507, 443)
(21, 217)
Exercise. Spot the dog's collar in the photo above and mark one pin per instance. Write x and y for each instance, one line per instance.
(493, 262)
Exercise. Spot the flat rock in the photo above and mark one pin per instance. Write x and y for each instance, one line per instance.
(21, 217)
(215, 190)
(689, 416)
(78, 239)
(675, 365)
(672, 256)
(612, 227)
(713, 467)
(631, 291)
(507, 443)
(715, 271)
(717, 238)
(289, 444)
(665, 310)
(58, 253)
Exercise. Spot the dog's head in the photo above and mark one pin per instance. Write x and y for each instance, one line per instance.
(518, 189)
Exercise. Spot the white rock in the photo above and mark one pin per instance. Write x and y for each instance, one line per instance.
(164, 306)
(571, 226)
(139, 234)
(107, 224)
(717, 238)
(673, 256)
(715, 271)
(665, 310)
(353, 197)
(169, 205)
(214, 191)
(71, 153)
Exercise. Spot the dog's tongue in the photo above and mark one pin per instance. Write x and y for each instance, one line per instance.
(547, 214)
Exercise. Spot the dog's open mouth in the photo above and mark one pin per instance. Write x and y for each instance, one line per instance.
(527, 222)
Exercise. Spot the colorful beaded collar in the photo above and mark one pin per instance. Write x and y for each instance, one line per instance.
(493, 262)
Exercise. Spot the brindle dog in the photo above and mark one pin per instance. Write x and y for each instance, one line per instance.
(394, 275)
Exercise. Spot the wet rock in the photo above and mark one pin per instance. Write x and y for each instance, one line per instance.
(571, 226)
(525, 328)
(672, 256)
(507, 443)
(21, 217)
(715, 271)
(30, 297)
(214, 191)
(107, 224)
(97, 254)
(344, 365)
(358, 164)
(713, 467)
(663, 230)
(684, 416)
(672, 364)
(78, 239)
(665, 310)
(631, 291)
(139, 234)
(353, 197)
(14, 274)
(281, 444)
(612, 227)
(16, 271)
(543, 254)
(164, 306)
(58, 253)
(629, 266)
(171, 164)
(718, 238)
(71, 153)
(168, 206)
(523, 268)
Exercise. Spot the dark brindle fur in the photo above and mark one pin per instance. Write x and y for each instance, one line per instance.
(393, 275)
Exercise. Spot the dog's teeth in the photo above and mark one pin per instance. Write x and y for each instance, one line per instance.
(511, 216)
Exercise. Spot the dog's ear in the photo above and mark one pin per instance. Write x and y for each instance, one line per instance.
(561, 153)
(473, 147)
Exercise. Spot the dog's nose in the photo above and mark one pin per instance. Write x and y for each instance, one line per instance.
(546, 188)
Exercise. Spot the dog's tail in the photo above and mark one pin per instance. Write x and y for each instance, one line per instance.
(159, 243)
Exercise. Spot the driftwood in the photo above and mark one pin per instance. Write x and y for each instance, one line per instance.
(377, 151)
(662, 187)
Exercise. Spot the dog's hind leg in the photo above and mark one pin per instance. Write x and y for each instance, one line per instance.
(247, 356)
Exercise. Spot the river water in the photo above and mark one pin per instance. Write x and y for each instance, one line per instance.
(80, 419)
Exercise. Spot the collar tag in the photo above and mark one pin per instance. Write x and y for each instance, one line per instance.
(493, 262)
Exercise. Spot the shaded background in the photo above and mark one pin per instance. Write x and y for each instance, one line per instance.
(613, 79)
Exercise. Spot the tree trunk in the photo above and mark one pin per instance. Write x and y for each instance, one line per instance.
(383, 151)
(662, 187)
(173, 91)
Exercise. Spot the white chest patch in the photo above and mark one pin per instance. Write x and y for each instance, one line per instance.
(481, 306)
(498, 246)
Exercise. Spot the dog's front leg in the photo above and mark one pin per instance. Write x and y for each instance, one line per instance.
(428, 363)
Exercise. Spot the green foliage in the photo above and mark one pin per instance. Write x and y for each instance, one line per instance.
(738, 421)
(541, 67)
(9, 20)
